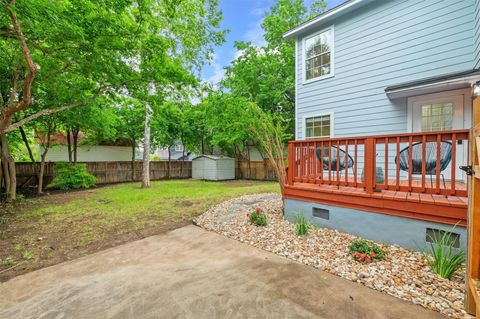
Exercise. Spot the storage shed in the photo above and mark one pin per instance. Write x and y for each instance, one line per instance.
(213, 168)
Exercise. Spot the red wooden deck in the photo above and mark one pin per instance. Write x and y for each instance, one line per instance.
(408, 196)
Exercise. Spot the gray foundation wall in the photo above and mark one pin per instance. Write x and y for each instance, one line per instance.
(405, 232)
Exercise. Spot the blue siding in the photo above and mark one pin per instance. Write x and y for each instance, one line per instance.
(386, 43)
(476, 44)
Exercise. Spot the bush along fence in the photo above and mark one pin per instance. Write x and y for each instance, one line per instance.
(119, 172)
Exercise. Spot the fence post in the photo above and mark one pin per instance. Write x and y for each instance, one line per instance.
(369, 170)
(291, 163)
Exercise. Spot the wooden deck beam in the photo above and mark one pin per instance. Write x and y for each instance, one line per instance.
(432, 208)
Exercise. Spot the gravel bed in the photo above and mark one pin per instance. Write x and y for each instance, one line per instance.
(403, 274)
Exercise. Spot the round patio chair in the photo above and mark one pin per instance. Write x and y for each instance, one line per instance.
(430, 158)
(334, 152)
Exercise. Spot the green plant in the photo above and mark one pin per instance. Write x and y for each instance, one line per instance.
(27, 254)
(9, 261)
(365, 251)
(444, 259)
(71, 176)
(258, 217)
(301, 225)
(18, 246)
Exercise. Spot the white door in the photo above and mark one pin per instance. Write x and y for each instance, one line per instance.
(441, 113)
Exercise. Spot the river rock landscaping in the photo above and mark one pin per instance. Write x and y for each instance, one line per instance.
(402, 273)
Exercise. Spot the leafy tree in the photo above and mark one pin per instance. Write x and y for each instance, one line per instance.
(130, 124)
(96, 121)
(46, 128)
(75, 51)
(266, 75)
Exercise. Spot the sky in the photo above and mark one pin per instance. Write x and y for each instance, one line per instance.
(243, 18)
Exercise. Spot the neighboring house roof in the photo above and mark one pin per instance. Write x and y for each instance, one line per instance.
(451, 81)
(325, 17)
(60, 138)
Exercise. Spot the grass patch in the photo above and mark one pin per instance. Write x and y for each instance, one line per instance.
(51, 229)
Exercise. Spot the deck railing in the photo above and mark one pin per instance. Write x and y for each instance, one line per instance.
(384, 162)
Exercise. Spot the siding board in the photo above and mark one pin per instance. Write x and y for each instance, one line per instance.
(386, 43)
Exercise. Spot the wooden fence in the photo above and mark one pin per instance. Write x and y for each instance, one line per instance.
(255, 170)
(108, 172)
(118, 172)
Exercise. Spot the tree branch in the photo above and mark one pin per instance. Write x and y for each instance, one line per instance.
(26, 99)
(24, 121)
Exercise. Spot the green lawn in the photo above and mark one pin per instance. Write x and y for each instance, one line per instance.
(47, 230)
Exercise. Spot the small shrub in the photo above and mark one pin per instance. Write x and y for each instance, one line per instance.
(444, 259)
(71, 176)
(365, 251)
(27, 254)
(9, 261)
(301, 225)
(258, 217)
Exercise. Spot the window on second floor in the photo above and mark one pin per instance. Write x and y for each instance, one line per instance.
(318, 126)
(178, 148)
(318, 55)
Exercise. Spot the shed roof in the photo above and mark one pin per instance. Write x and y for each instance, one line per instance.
(213, 157)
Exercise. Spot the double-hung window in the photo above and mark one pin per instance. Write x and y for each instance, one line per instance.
(318, 54)
(318, 126)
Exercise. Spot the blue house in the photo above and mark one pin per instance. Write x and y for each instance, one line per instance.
(384, 98)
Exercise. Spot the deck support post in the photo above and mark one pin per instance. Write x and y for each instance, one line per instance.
(473, 256)
(369, 165)
(291, 163)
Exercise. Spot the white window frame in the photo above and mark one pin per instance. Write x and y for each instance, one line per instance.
(178, 148)
(332, 56)
(332, 121)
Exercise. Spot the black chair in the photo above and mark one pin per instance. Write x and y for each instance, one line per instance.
(430, 159)
(322, 155)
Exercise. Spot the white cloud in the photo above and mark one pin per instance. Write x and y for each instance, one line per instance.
(217, 76)
(254, 32)
(238, 54)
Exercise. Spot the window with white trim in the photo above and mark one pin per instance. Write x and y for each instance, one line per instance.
(317, 126)
(437, 117)
(178, 148)
(318, 55)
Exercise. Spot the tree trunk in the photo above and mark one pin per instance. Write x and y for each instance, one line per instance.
(133, 160)
(27, 144)
(169, 160)
(249, 163)
(42, 171)
(146, 148)
(11, 188)
(69, 147)
(75, 144)
(237, 155)
(183, 161)
(6, 175)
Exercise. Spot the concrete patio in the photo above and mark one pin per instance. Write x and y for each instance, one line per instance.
(192, 273)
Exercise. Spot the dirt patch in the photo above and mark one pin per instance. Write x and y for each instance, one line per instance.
(62, 245)
(239, 183)
(186, 203)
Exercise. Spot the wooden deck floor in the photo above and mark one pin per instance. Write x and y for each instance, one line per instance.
(429, 207)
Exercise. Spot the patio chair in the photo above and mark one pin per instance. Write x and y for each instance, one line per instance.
(334, 152)
(430, 159)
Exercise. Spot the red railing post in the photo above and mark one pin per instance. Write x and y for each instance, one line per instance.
(368, 170)
(291, 163)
